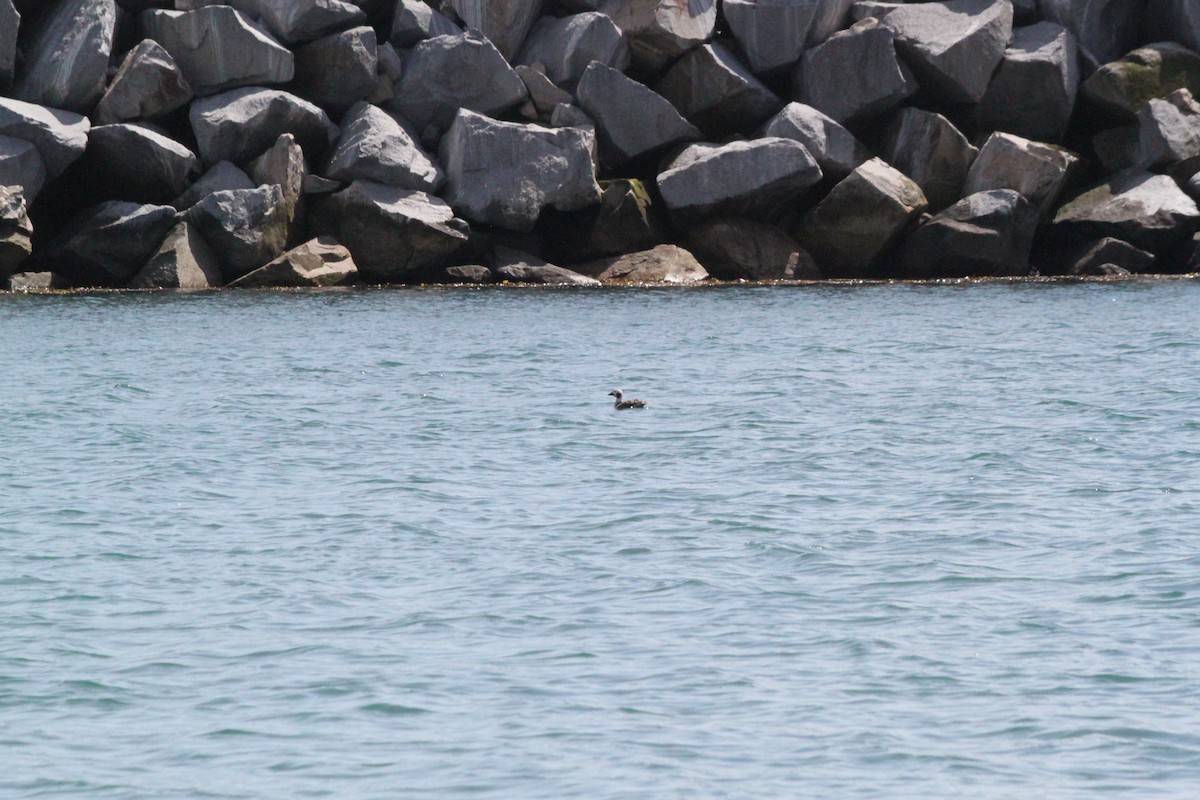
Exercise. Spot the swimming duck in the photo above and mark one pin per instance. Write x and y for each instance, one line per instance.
(621, 405)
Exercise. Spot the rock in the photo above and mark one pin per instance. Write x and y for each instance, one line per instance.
(59, 136)
(1148, 211)
(753, 179)
(464, 274)
(1174, 19)
(953, 47)
(831, 17)
(666, 263)
(513, 266)
(716, 93)
(624, 221)
(375, 147)
(16, 231)
(835, 149)
(221, 177)
(246, 228)
(105, 245)
(854, 75)
(505, 173)
(565, 116)
(21, 165)
(1117, 148)
(66, 55)
(504, 22)
(183, 261)
(240, 124)
(32, 282)
(284, 165)
(446, 73)
(317, 262)
(218, 49)
(415, 21)
(929, 149)
(631, 119)
(337, 71)
(1104, 29)
(860, 220)
(772, 33)
(294, 21)
(1123, 87)
(138, 163)
(393, 234)
(147, 86)
(1032, 94)
(989, 233)
(1168, 130)
(1192, 187)
(542, 92)
(1038, 171)
(745, 249)
(1107, 255)
(10, 19)
(566, 46)
(660, 31)
(316, 185)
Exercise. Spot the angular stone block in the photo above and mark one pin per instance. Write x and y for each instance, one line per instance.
(716, 93)
(837, 151)
(631, 119)
(296, 21)
(339, 70)
(1168, 130)
(1038, 171)
(929, 149)
(21, 165)
(246, 228)
(16, 231)
(374, 146)
(1104, 29)
(660, 31)
(772, 33)
(241, 124)
(183, 261)
(666, 263)
(66, 55)
(504, 22)
(745, 249)
(221, 177)
(1148, 211)
(59, 136)
(107, 244)
(984, 234)
(415, 21)
(148, 85)
(854, 74)
(1107, 252)
(566, 46)
(1032, 93)
(318, 262)
(1122, 87)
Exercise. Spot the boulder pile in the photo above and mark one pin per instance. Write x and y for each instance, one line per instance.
(199, 143)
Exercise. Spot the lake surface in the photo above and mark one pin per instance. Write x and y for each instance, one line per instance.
(885, 541)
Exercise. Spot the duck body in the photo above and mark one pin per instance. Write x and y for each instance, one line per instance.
(621, 404)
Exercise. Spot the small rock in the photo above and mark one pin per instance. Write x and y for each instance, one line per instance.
(989, 233)
(1032, 93)
(16, 231)
(317, 262)
(221, 177)
(105, 245)
(66, 55)
(21, 165)
(1148, 211)
(339, 70)
(631, 119)
(514, 266)
(1038, 171)
(246, 228)
(854, 75)
(666, 263)
(32, 282)
(240, 124)
(1108, 253)
(465, 274)
(59, 136)
(542, 92)
(416, 20)
(716, 93)
(183, 261)
(375, 147)
(929, 149)
(568, 116)
(1123, 87)
(660, 31)
(745, 249)
(147, 86)
(837, 151)
(566, 46)
(136, 162)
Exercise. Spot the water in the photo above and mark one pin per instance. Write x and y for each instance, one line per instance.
(892, 541)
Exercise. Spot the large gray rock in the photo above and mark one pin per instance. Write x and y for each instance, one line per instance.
(337, 71)
(107, 244)
(631, 119)
(831, 17)
(317, 262)
(393, 234)
(16, 231)
(284, 165)
(955, 46)
(1032, 93)
(1123, 87)
(136, 162)
(446, 73)
(217, 48)
(836, 149)
(415, 21)
(220, 177)
(10, 20)
(21, 165)
(660, 31)
(745, 249)
(929, 149)
(752, 179)
(183, 261)
(772, 33)
(666, 263)
(1110, 251)
(1174, 19)
(1168, 130)
(855, 74)
(66, 55)
(1038, 171)
(1148, 211)
(148, 85)
(246, 228)
(503, 22)
(59, 136)
(566, 45)
(375, 147)
(1104, 29)
(990, 233)
(506, 173)
(860, 220)
(716, 93)
(294, 21)
(240, 124)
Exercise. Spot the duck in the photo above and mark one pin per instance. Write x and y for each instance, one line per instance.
(621, 404)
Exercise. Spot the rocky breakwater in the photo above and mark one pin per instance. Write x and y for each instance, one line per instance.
(196, 143)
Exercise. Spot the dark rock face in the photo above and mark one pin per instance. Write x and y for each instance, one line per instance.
(415, 20)
(929, 149)
(137, 162)
(506, 173)
(339, 70)
(147, 86)
(240, 124)
(504, 22)
(1145, 210)
(990, 233)
(566, 46)
(1174, 19)
(660, 31)
(246, 228)
(1101, 257)
(67, 56)
(107, 244)
(1168, 130)
(10, 20)
(374, 146)
(1105, 29)
(183, 261)
(318, 262)
(855, 74)
(631, 120)
(716, 93)
(59, 136)
(745, 249)
(393, 234)
(1032, 94)
(20, 165)
(624, 221)
(294, 21)
(16, 231)
(836, 149)
(1122, 87)
(666, 263)
(771, 34)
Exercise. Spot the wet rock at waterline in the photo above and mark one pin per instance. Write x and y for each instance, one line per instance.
(183, 261)
(107, 244)
(246, 228)
(318, 262)
(989, 233)
(16, 231)
(666, 263)
(746, 249)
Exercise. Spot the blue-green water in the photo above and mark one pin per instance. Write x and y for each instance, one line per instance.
(891, 541)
